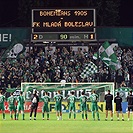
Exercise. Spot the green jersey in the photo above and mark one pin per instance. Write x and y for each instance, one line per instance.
(94, 98)
(11, 101)
(58, 99)
(83, 99)
(20, 100)
(45, 99)
(2, 99)
(72, 99)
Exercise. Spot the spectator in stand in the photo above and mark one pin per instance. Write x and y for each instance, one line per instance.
(119, 77)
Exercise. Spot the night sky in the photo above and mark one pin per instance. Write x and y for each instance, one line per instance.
(9, 14)
(126, 13)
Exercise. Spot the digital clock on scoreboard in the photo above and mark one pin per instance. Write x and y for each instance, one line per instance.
(63, 24)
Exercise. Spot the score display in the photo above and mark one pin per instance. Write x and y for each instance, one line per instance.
(39, 37)
(63, 24)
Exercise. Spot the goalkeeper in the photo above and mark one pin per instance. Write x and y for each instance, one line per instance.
(94, 106)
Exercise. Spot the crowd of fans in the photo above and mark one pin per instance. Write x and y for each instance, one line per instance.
(53, 64)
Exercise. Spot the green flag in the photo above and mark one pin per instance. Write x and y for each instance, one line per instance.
(13, 50)
(108, 56)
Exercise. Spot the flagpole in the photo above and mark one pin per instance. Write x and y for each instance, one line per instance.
(98, 58)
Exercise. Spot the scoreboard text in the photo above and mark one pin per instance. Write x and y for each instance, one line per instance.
(63, 24)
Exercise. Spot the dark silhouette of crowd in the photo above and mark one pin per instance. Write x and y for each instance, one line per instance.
(53, 64)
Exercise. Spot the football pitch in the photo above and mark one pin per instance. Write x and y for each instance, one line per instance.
(65, 125)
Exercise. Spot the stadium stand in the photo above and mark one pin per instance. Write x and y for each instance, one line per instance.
(42, 64)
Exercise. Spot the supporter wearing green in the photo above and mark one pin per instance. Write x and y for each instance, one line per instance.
(71, 102)
(45, 108)
(94, 106)
(20, 106)
(58, 105)
(12, 101)
(2, 107)
(83, 106)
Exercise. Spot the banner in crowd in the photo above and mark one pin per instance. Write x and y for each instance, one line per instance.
(78, 88)
(66, 88)
(13, 51)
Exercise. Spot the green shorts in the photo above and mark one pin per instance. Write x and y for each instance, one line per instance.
(20, 107)
(58, 107)
(94, 107)
(12, 108)
(83, 107)
(2, 107)
(45, 108)
(72, 107)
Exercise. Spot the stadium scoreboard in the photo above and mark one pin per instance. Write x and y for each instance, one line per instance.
(63, 25)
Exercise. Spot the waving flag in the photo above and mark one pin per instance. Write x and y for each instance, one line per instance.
(89, 69)
(108, 56)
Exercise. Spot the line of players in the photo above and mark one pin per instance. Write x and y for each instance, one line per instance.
(71, 105)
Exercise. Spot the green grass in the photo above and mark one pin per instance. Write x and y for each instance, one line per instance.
(65, 126)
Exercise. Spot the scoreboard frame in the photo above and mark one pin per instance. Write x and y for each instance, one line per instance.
(63, 25)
